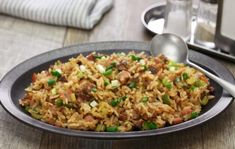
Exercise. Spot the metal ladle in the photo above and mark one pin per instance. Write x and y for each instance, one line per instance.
(175, 48)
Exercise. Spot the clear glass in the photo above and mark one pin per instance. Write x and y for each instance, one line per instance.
(206, 24)
(178, 15)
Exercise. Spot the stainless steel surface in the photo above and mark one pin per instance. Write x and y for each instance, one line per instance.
(221, 40)
(174, 47)
(153, 20)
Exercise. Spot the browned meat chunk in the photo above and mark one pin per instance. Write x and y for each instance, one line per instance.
(122, 65)
(124, 76)
(84, 92)
(62, 79)
(89, 118)
(90, 57)
(123, 116)
(153, 69)
(138, 123)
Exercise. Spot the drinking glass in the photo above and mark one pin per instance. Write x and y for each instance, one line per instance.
(178, 15)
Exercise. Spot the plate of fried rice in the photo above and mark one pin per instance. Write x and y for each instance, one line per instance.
(113, 90)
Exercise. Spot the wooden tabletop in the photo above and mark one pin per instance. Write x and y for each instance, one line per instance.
(21, 39)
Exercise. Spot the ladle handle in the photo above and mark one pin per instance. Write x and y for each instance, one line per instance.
(229, 87)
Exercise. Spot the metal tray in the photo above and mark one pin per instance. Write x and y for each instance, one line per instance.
(153, 20)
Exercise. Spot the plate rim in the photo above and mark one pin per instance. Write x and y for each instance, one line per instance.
(219, 107)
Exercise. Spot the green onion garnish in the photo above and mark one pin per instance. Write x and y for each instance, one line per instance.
(56, 73)
(185, 76)
(111, 66)
(94, 89)
(59, 102)
(194, 115)
(199, 83)
(112, 129)
(166, 83)
(106, 82)
(51, 82)
(149, 125)
(145, 67)
(166, 99)
(132, 85)
(98, 56)
(145, 99)
(135, 58)
(108, 72)
(193, 88)
(116, 101)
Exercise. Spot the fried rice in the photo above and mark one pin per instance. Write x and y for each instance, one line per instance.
(117, 92)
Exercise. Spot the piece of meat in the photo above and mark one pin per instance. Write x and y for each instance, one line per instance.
(34, 77)
(62, 79)
(124, 76)
(88, 118)
(90, 57)
(211, 89)
(123, 116)
(163, 58)
(138, 123)
(186, 110)
(153, 69)
(84, 92)
(177, 120)
(122, 65)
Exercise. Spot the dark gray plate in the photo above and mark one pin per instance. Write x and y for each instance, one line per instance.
(13, 83)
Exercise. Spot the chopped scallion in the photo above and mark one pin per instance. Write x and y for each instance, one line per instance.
(194, 115)
(112, 129)
(166, 99)
(135, 58)
(132, 85)
(185, 76)
(94, 89)
(149, 125)
(111, 66)
(51, 82)
(166, 83)
(59, 102)
(145, 99)
(108, 72)
(56, 73)
(106, 82)
(116, 101)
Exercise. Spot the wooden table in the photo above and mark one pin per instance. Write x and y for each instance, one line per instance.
(21, 39)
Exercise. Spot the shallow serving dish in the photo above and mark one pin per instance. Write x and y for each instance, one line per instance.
(13, 83)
